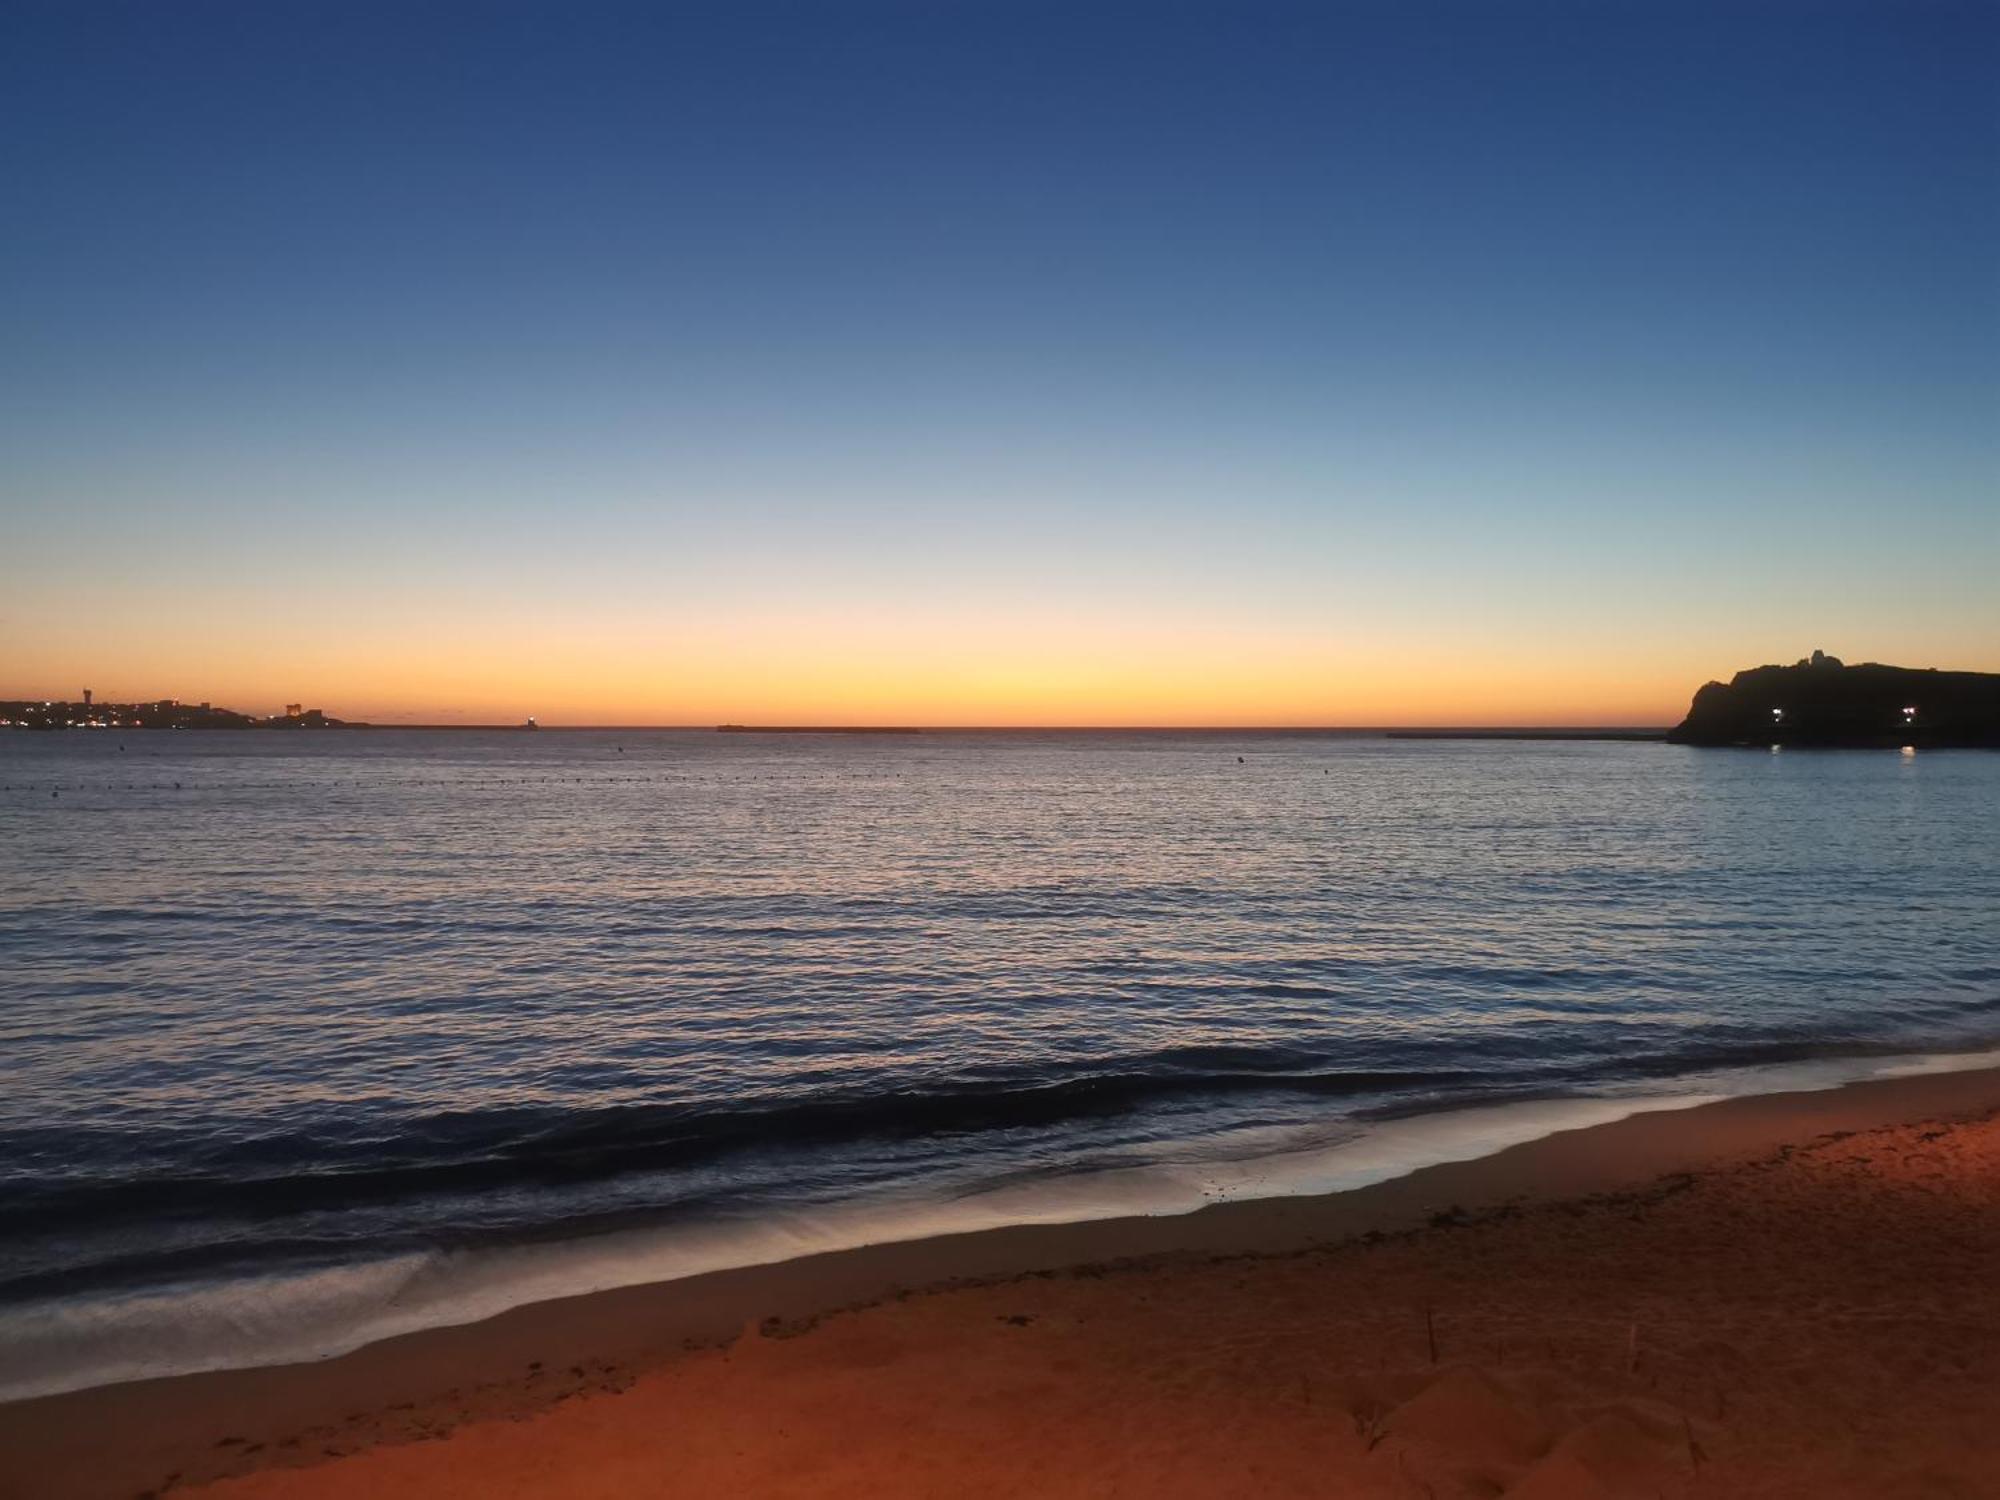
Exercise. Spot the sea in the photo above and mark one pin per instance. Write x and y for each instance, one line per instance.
(311, 1038)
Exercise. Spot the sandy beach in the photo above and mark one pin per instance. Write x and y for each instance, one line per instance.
(1782, 1295)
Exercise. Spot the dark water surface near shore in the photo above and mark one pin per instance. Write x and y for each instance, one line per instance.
(276, 1002)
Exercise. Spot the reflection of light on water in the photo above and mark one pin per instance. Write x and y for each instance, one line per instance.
(1324, 925)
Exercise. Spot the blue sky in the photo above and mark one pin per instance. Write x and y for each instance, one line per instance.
(889, 360)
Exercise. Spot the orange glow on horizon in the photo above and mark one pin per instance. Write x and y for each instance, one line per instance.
(650, 665)
(1036, 680)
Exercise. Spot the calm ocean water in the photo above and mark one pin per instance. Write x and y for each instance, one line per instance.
(305, 1038)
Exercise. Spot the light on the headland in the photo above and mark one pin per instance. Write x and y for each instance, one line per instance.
(1909, 750)
(1777, 716)
(1909, 716)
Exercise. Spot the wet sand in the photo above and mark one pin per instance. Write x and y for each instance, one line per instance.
(1795, 1294)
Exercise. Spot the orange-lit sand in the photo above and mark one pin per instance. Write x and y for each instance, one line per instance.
(1819, 1318)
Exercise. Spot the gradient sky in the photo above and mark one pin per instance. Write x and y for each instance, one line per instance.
(965, 363)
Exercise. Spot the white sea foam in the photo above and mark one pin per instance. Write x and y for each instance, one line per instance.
(75, 1342)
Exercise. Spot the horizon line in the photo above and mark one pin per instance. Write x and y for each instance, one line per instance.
(516, 725)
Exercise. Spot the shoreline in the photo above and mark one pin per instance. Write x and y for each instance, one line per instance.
(308, 1316)
(204, 1426)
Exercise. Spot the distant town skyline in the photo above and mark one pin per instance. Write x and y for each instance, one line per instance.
(1422, 363)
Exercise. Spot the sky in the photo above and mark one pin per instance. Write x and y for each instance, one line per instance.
(956, 363)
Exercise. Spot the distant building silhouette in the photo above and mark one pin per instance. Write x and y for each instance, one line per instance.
(161, 713)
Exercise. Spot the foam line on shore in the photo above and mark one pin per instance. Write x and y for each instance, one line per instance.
(207, 1425)
(73, 1343)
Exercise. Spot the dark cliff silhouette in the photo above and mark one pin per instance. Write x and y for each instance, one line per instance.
(1822, 702)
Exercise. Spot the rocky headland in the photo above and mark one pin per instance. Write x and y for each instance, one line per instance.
(1823, 702)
